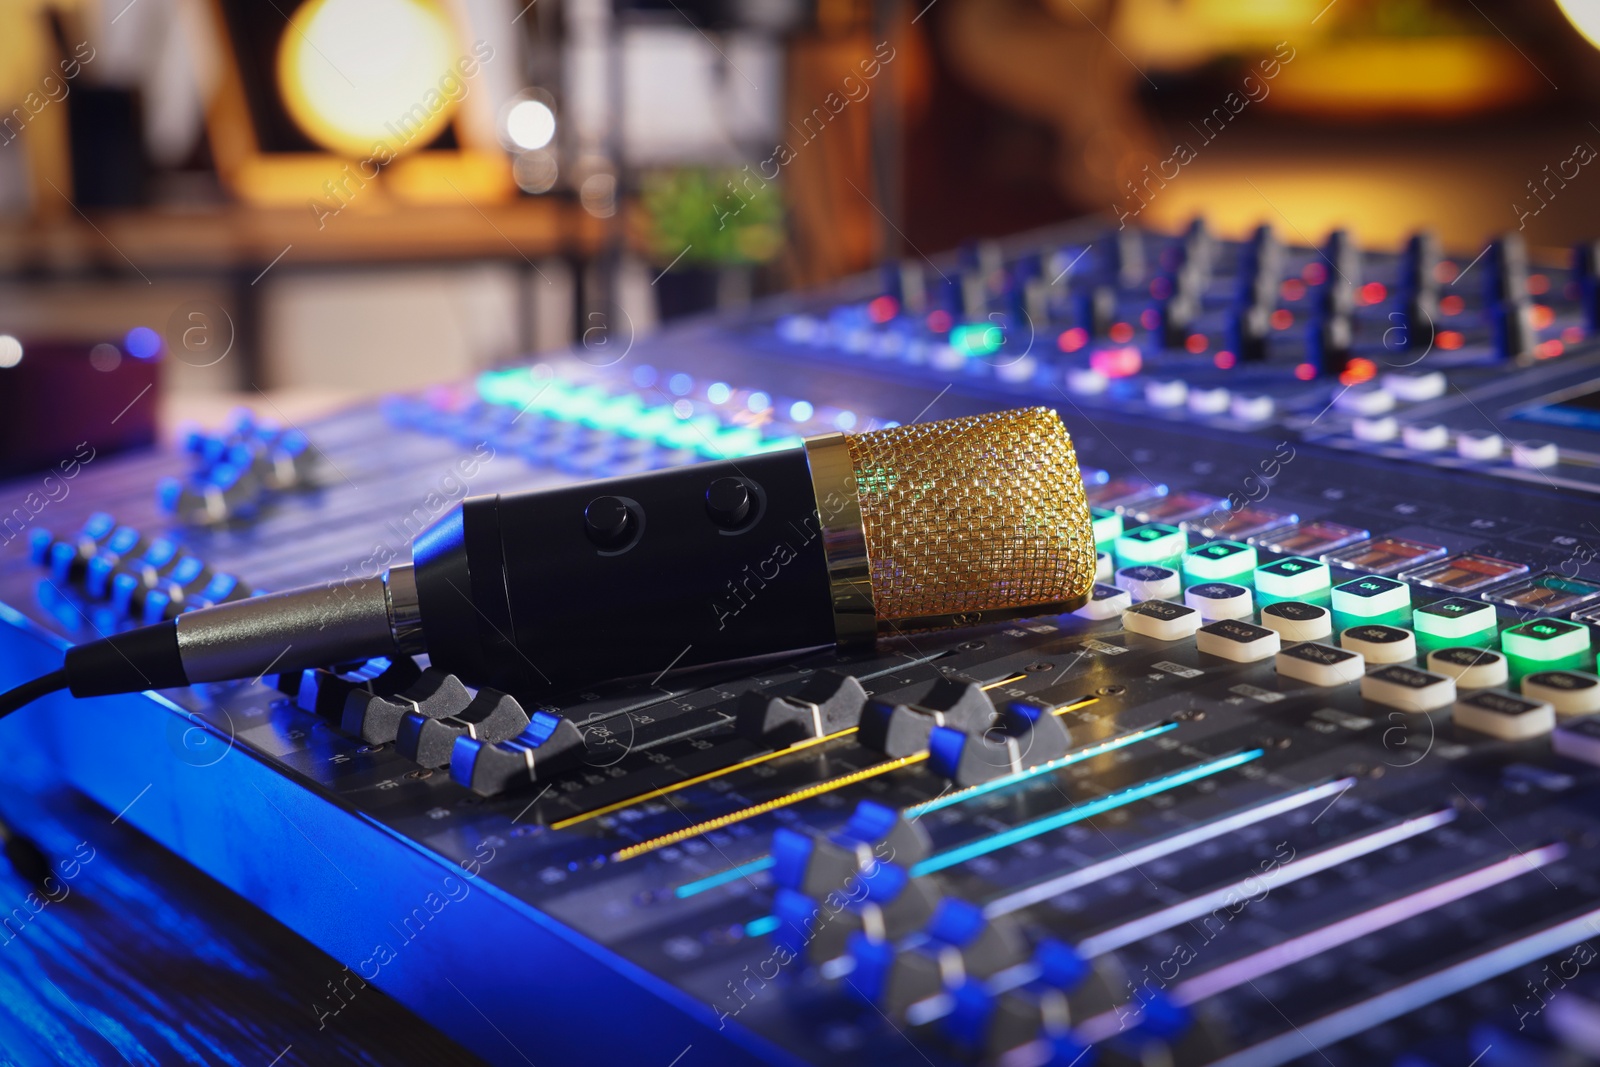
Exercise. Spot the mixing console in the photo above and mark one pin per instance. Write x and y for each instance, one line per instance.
(1310, 779)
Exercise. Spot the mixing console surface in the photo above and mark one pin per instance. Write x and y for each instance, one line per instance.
(1311, 778)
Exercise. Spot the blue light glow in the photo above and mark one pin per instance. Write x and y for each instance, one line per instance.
(764, 925)
(845, 420)
(732, 874)
(644, 376)
(718, 392)
(994, 842)
(800, 411)
(680, 384)
(142, 343)
(758, 402)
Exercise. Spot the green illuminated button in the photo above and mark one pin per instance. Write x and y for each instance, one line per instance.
(1102, 566)
(1545, 640)
(1293, 578)
(1455, 621)
(1371, 599)
(1219, 561)
(1154, 542)
(1107, 526)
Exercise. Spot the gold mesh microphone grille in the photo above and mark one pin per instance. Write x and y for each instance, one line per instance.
(953, 522)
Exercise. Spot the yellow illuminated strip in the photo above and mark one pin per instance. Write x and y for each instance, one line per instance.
(654, 794)
(798, 746)
(804, 794)
(771, 805)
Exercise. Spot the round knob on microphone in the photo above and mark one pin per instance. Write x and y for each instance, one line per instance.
(608, 521)
(728, 502)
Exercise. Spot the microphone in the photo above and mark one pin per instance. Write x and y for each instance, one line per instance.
(836, 541)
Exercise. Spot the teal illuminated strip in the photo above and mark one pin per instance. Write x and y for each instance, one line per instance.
(626, 415)
(764, 925)
(732, 874)
(1122, 798)
(960, 796)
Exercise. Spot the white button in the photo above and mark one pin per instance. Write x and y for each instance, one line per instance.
(1166, 394)
(1569, 692)
(1472, 668)
(1106, 602)
(1220, 600)
(1102, 566)
(1380, 644)
(1408, 689)
(1209, 401)
(1086, 382)
(1019, 369)
(1535, 455)
(1382, 428)
(1426, 437)
(1479, 444)
(1297, 621)
(1364, 400)
(1150, 582)
(1237, 640)
(1162, 620)
(1252, 408)
(1413, 388)
(1320, 664)
(1505, 715)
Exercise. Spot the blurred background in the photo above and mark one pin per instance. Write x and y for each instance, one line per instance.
(294, 203)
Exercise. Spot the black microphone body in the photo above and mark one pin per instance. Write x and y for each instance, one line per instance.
(549, 591)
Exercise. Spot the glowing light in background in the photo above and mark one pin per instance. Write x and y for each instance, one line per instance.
(142, 343)
(530, 124)
(357, 75)
(10, 351)
(1584, 16)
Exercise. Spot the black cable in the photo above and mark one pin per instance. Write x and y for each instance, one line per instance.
(28, 692)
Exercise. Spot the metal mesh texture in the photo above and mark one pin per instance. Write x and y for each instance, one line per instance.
(980, 514)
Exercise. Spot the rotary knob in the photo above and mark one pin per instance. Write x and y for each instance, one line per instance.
(609, 522)
(729, 502)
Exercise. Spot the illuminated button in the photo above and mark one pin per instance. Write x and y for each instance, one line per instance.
(1107, 526)
(1380, 644)
(1365, 400)
(1456, 621)
(1569, 692)
(1102, 566)
(1296, 620)
(1146, 581)
(1105, 602)
(1465, 573)
(1166, 394)
(1237, 640)
(1246, 523)
(1209, 401)
(1504, 715)
(1293, 578)
(1371, 599)
(1578, 739)
(1252, 408)
(1219, 600)
(1542, 644)
(1152, 543)
(1414, 388)
(1219, 561)
(1546, 594)
(1162, 620)
(1386, 556)
(1408, 689)
(1535, 455)
(1375, 429)
(1470, 666)
(1311, 538)
(1481, 445)
(1426, 437)
(1320, 664)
